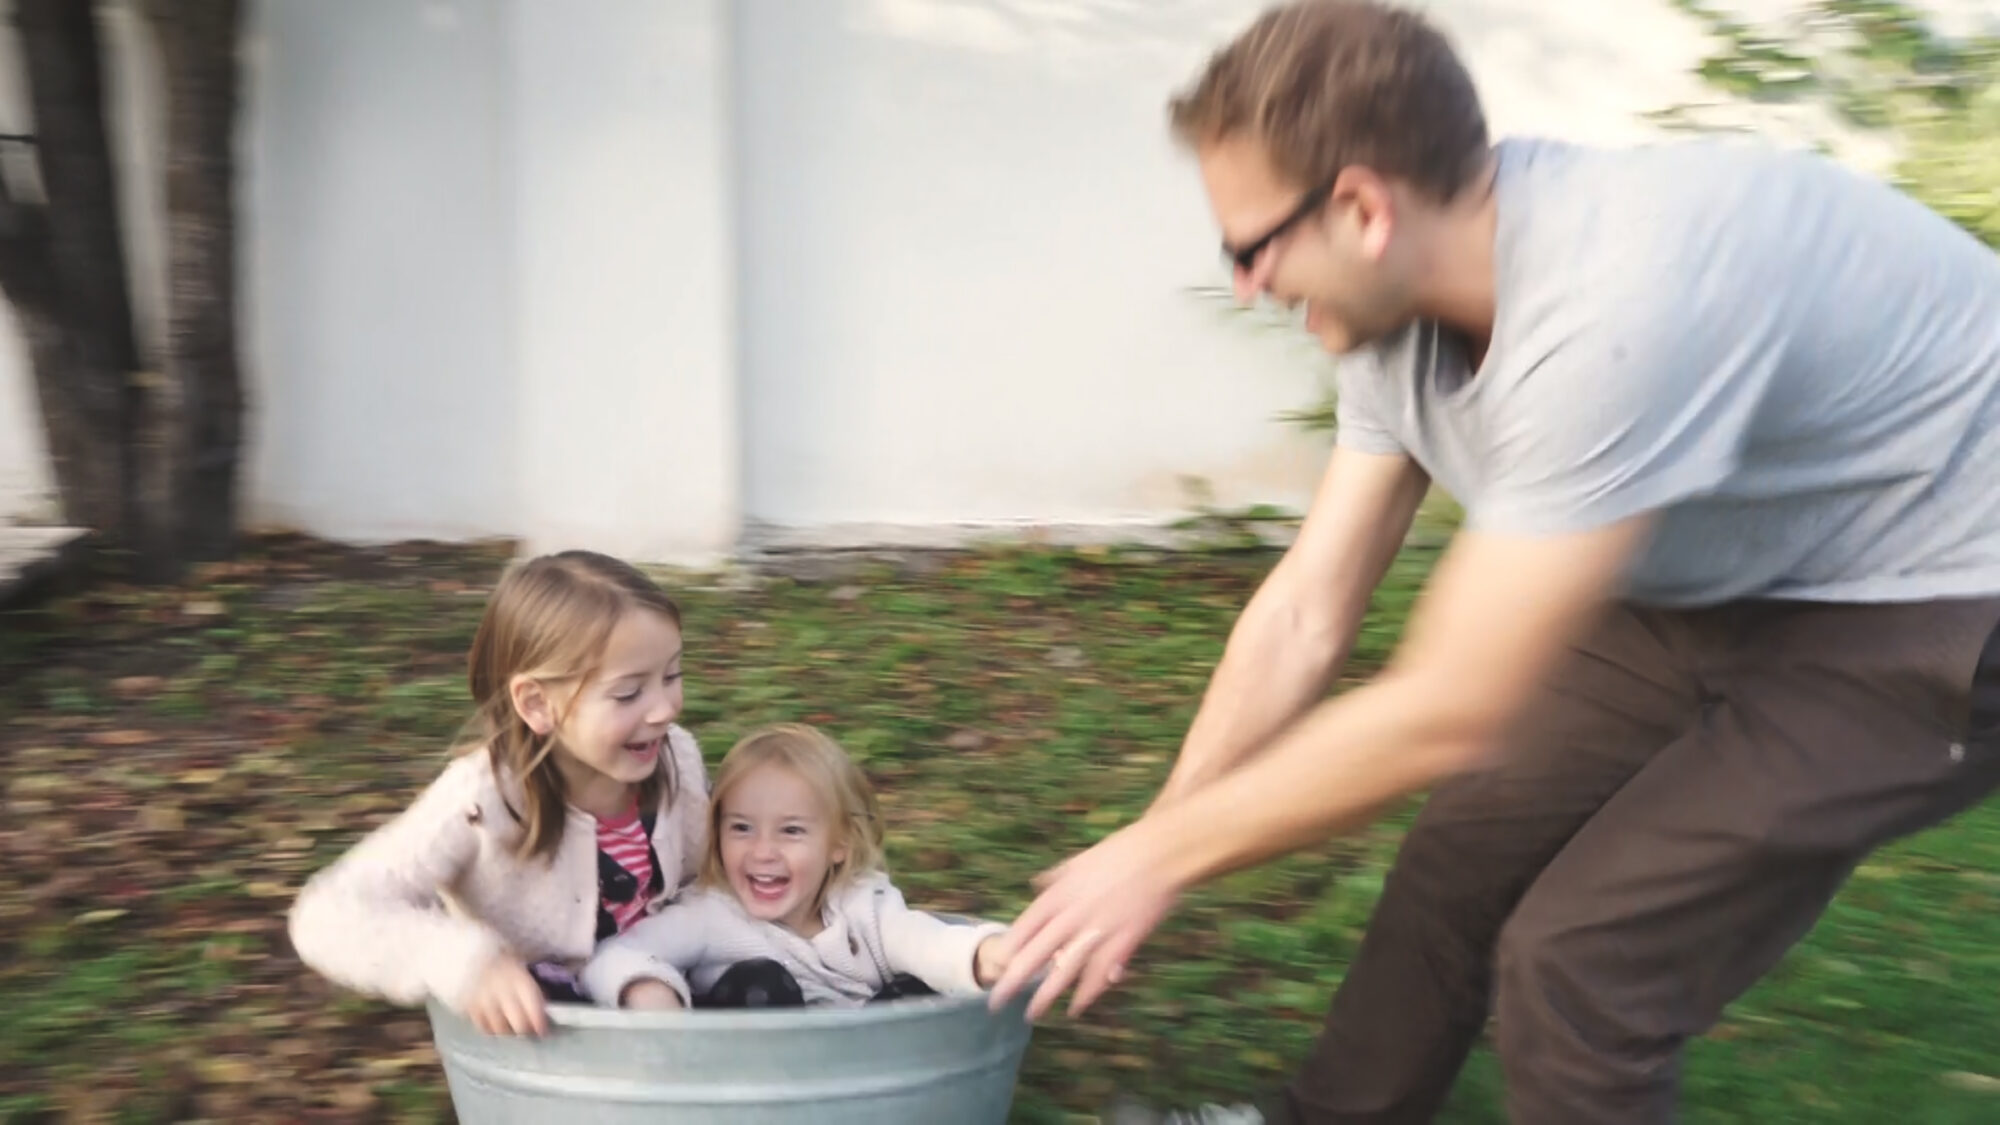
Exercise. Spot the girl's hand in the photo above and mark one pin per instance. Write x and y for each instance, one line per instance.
(989, 960)
(649, 995)
(507, 1001)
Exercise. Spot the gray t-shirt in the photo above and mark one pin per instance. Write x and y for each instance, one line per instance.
(1796, 365)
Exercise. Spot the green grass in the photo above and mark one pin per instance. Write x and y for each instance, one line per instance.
(188, 764)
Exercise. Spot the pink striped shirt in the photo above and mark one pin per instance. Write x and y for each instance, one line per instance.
(624, 840)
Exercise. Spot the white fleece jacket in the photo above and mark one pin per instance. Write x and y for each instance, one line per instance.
(869, 929)
(418, 907)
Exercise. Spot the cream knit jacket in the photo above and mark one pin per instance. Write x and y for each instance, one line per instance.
(418, 907)
(870, 934)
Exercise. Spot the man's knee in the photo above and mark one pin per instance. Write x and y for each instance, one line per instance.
(1577, 1034)
(1455, 870)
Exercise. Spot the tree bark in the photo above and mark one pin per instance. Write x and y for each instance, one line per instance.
(195, 449)
(62, 264)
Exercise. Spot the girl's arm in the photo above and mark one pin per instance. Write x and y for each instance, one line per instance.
(942, 954)
(373, 921)
(664, 947)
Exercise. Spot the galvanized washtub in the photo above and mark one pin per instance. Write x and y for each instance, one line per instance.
(928, 1060)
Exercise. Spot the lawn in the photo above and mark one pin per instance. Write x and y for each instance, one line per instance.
(175, 762)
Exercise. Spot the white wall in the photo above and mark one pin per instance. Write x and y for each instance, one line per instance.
(24, 469)
(967, 245)
(490, 260)
(26, 488)
(380, 268)
(624, 280)
(639, 274)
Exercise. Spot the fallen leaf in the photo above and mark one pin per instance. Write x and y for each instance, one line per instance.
(93, 917)
(966, 740)
(36, 783)
(204, 608)
(1262, 1059)
(1066, 656)
(121, 737)
(202, 776)
(162, 818)
(131, 687)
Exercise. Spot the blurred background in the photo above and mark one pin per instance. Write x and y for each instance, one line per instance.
(895, 331)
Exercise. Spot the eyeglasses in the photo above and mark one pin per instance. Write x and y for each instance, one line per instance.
(1245, 256)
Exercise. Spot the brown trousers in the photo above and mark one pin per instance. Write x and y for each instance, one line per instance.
(1677, 811)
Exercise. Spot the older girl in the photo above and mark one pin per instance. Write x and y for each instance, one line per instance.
(575, 808)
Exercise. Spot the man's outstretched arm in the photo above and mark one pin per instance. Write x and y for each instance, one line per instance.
(1498, 614)
(1295, 634)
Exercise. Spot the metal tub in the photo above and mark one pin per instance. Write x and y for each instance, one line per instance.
(926, 1061)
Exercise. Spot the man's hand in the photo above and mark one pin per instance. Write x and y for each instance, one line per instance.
(1497, 615)
(647, 994)
(1097, 908)
(507, 1001)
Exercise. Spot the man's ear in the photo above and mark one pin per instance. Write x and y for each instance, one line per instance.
(531, 702)
(1371, 209)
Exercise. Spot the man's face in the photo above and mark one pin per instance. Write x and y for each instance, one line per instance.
(1334, 256)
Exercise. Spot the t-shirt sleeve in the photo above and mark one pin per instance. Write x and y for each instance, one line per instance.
(1360, 408)
(1631, 413)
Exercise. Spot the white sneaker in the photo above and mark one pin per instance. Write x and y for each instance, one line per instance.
(1213, 1114)
(1209, 1114)
(1217, 1115)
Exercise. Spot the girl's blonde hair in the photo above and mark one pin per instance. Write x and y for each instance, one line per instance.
(823, 765)
(549, 619)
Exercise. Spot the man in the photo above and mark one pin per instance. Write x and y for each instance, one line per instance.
(1725, 422)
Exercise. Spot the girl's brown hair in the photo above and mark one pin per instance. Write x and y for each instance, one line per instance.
(549, 619)
(823, 765)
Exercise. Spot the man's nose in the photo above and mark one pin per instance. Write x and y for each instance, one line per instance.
(1250, 283)
(1245, 285)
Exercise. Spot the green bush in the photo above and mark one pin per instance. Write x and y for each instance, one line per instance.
(1880, 67)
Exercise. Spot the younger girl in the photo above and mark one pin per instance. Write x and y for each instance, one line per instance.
(795, 904)
(575, 807)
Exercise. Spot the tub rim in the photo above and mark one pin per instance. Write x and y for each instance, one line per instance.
(580, 1016)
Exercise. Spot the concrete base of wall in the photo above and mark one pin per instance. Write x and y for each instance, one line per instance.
(761, 540)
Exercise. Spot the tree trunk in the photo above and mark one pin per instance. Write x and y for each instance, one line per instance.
(148, 459)
(193, 454)
(62, 264)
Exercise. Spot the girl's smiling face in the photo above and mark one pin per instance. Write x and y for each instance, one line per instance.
(614, 730)
(778, 845)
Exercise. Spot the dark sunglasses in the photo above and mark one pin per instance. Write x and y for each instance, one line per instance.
(1245, 256)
